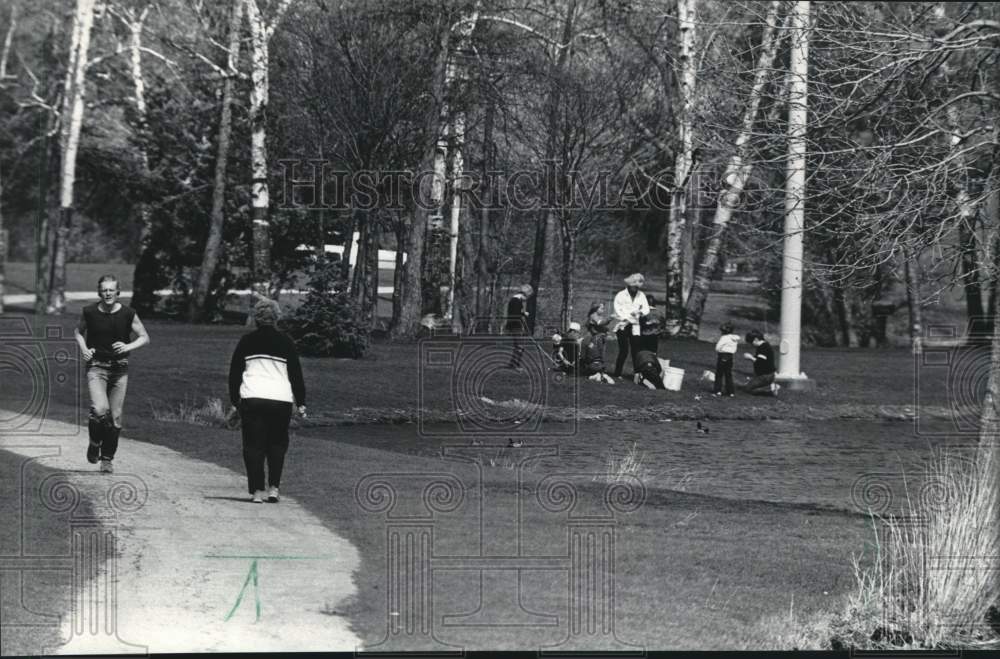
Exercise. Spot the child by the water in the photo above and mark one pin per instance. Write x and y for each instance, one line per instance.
(725, 351)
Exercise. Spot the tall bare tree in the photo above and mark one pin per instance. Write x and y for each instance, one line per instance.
(737, 173)
(210, 258)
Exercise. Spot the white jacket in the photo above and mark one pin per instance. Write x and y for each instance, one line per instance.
(629, 309)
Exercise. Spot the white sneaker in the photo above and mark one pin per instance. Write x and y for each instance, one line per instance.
(258, 496)
(106, 467)
(272, 494)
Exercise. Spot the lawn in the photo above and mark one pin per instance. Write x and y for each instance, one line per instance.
(735, 526)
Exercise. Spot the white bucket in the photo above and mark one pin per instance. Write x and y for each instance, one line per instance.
(672, 378)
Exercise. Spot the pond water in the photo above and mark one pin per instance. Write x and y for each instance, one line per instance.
(842, 464)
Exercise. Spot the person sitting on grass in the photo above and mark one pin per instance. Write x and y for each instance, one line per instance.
(556, 343)
(764, 367)
(650, 373)
(725, 349)
(568, 355)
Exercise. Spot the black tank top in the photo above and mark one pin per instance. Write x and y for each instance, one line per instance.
(104, 329)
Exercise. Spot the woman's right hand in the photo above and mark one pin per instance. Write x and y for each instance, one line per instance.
(88, 354)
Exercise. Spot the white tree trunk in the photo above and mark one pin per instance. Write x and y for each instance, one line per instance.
(72, 122)
(454, 72)
(3, 248)
(458, 134)
(260, 36)
(795, 186)
(142, 282)
(676, 223)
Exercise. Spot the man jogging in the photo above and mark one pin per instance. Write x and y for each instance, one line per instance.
(265, 379)
(104, 335)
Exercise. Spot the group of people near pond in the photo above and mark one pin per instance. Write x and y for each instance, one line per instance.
(266, 383)
(636, 325)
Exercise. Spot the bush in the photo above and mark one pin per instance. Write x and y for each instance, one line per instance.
(328, 324)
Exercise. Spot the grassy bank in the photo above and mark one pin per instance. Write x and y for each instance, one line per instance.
(694, 569)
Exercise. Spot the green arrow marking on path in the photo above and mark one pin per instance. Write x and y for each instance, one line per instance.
(252, 574)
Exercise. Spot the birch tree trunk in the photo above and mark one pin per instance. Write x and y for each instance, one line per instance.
(143, 281)
(735, 177)
(210, 258)
(568, 268)
(345, 263)
(411, 305)
(466, 279)
(399, 274)
(482, 254)
(369, 304)
(913, 299)
(992, 250)
(3, 246)
(260, 36)
(677, 221)
(458, 142)
(361, 261)
(72, 122)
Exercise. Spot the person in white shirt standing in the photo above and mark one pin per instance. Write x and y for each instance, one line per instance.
(630, 306)
(725, 350)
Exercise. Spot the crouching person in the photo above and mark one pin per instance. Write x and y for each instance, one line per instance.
(764, 367)
(650, 371)
(568, 353)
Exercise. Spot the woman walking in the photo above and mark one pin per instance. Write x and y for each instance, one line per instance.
(265, 379)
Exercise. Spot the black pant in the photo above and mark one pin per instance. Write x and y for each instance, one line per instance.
(627, 342)
(265, 438)
(760, 384)
(517, 332)
(724, 373)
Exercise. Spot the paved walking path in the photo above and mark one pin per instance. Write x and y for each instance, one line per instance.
(186, 546)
